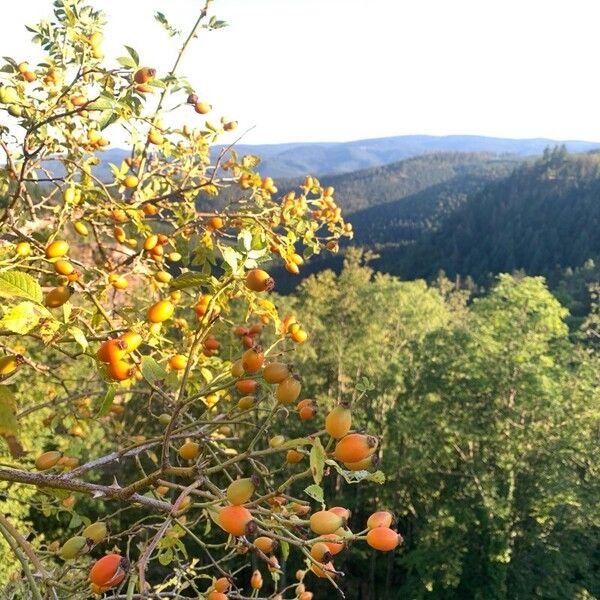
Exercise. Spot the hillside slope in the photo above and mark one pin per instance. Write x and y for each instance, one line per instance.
(396, 205)
(390, 184)
(486, 215)
(545, 215)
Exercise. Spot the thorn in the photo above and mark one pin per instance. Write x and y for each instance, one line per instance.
(115, 484)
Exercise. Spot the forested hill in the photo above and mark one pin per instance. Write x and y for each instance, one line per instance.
(474, 215)
(429, 174)
(395, 205)
(543, 216)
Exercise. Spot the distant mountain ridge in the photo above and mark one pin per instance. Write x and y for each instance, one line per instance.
(331, 158)
(294, 160)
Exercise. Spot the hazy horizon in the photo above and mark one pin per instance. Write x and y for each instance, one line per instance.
(342, 70)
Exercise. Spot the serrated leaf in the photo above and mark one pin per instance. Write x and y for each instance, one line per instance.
(245, 239)
(367, 384)
(160, 17)
(8, 421)
(187, 280)
(7, 396)
(172, 380)
(79, 337)
(317, 460)
(231, 257)
(101, 103)
(127, 62)
(21, 318)
(315, 492)
(107, 117)
(75, 521)
(134, 55)
(151, 370)
(107, 402)
(295, 442)
(207, 374)
(16, 284)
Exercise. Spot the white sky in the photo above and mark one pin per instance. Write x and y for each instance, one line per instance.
(334, 70)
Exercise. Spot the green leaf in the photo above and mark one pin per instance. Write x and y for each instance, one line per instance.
(295, 442)
(215, 23)
(134, 55)
(166, 557)
(231, 257)
(151, 370)
(107, 402)
(101, 103)
(127, 62)
(317, 460)
(8, 421)
(21, 318)
(207, 374)
(245, 239)
(367, 385)
(285, 549)
(172, 380)
(79, 337)
(315, 492)
(20, 285)
(187, 280)
(181, 547)
(160, 17)
(259, 241)
(67, 309)
(75, 521)
(107, 117)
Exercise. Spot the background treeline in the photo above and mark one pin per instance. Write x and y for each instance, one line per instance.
(489, 413)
